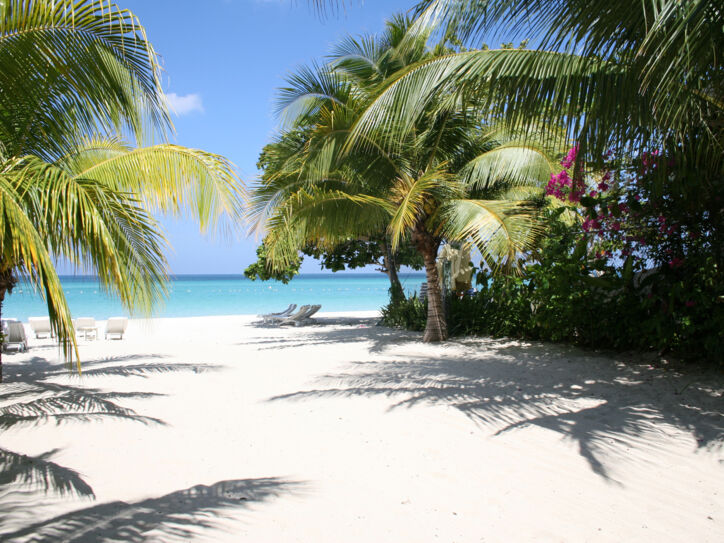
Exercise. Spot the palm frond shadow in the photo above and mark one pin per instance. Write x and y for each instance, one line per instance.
(137, 365)
(32, 397)
(603, 406)
(332, 331)
(175, 516)
(38, 472)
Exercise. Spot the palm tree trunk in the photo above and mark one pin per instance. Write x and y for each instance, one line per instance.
(436, 326)
(396, 290)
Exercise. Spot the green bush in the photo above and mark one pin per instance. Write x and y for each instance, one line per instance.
(502, 307)
(568, 296)
(406, 313)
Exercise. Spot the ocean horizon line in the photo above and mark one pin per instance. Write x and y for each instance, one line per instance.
(306, 275)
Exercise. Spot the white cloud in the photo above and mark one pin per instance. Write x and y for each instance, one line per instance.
(183, 105)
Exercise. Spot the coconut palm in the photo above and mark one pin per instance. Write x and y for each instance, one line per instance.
(625, 76)
(451, 177)
(72, 74)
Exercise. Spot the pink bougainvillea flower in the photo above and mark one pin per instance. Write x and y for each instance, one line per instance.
(570, 158)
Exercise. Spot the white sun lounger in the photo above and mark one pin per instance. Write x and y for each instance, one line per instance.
(5, 324)
(298, 315)
(285, 313)
(15, 337)
(116, 326)
(40, 326)
(86, 326)
(301, 318)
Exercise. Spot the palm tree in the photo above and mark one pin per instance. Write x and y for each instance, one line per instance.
(622, 76)
(450, 177)
(72, 74)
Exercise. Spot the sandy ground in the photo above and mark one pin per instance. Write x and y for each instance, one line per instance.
(217, 429)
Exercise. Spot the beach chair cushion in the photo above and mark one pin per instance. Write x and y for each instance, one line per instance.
(15, 338)
(40, 326)
(116, 326)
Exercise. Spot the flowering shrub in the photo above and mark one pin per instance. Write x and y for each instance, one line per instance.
(632, 259)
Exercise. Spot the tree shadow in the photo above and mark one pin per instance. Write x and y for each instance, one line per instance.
(333, 331)
(178, 515)
(135, 365)
(32, 395)
(38, 472)
(604, 406)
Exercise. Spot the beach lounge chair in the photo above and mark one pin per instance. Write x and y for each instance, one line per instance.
(15, 337)
(286, 312)
(116, 326)
(312, 311)
(86, 326)
(5, 324)
(301, 318)
(40, 326)
(298, 315)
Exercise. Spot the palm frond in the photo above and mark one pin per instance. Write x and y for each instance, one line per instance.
(512, 163)
(669, 52)
(502, 230)
(167, 178)
(97, 227)
(22, 246)
(74, 66)
(310, 88)
(416, 199)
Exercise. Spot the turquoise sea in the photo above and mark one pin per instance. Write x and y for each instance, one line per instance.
(199, 295)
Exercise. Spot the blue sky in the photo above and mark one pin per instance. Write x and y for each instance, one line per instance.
(223, 61)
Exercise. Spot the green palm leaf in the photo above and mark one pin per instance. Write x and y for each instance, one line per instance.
(73, 66)
(168, 178)
(24, 248)
(502, 230)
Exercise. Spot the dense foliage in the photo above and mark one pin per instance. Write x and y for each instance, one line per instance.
(455, 175)
(633, 256)
(574, 293)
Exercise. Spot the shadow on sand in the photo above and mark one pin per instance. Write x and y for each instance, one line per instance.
(333, 331)
(32, 395)
(175, 516)
(603, 405)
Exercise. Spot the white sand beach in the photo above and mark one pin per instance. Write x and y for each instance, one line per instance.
(218, 429)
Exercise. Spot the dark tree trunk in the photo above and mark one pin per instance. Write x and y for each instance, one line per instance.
(436, 327)
(390, 264)
(7, 282)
